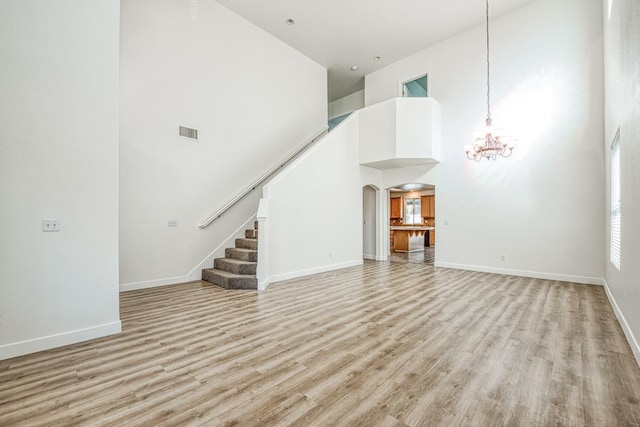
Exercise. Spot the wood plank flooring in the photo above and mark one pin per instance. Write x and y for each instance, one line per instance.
(384, 344)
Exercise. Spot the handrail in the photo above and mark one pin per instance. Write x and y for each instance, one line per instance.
(263, 178)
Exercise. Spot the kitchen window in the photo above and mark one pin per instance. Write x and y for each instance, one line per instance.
(616, 222)
(412, 211)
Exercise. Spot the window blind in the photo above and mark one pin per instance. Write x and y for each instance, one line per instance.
(616, 218)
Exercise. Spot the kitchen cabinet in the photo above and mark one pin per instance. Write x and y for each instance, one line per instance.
(428, 206)
(432, 238)
(432, 206)
(424, 207)
(396, 208)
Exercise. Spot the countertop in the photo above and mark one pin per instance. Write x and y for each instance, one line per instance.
(411, 227)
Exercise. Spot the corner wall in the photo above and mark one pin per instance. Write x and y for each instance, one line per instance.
(542, 208)
(253, 100)
(58, 159)
(622, 92)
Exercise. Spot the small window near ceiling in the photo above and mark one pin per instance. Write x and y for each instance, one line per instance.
(417, 87)
(616, 217)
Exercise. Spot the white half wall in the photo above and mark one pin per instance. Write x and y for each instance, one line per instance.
(315, 209)
(58, 160)
(400, 132)
(199, 65)
(622, 92)
(542, 208)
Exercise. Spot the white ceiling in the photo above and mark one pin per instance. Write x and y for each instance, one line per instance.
(342, 33)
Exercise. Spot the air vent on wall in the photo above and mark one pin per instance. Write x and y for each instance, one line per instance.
(188, 132)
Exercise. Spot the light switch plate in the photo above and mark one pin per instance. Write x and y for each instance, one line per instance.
(50, 224)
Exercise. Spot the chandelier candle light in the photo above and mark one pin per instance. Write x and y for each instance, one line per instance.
(491, 142)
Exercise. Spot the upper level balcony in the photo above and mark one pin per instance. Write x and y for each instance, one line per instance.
(400, 132)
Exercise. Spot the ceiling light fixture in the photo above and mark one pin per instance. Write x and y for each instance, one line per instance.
(354, 68)
(376, 58)
(491, 142)
(290, 21)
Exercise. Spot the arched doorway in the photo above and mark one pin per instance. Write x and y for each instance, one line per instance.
(412, 224)
(369, 222)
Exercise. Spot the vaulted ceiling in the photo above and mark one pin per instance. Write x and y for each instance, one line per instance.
(341, 34)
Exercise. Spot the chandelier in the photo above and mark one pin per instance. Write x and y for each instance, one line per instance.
(491, 142)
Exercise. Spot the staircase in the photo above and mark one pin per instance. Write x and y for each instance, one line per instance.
(237, 270)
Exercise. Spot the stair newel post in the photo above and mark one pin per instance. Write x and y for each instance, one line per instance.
(262, 270)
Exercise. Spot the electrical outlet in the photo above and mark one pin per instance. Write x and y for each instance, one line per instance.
(503, 258)
(50, 224)
(172, 223)
(446, 222)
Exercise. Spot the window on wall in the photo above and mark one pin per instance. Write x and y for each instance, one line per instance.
(412, 211)
(615, 202)
(418, 87)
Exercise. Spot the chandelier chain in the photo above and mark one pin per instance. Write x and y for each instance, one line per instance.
(488, 80)
(490, 142)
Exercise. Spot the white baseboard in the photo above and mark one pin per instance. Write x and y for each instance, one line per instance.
(263, 285)
(523, 273)
(196, 272)
(631, 339)
(375, 258)
(124, 287)
(8, 351)
(310, 271)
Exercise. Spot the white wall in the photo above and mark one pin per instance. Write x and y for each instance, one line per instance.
(622, 91)
(315, 209)
(58, 159)
(252, 98)
(346, 104)
(378, 132)
(543, 208)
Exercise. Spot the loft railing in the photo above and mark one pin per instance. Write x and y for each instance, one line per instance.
(217, 214)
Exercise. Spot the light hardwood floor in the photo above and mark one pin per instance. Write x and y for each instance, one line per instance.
(385, 344)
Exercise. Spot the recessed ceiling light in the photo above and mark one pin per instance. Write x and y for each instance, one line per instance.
(354, 68)
(290, 21)
(376, 58)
